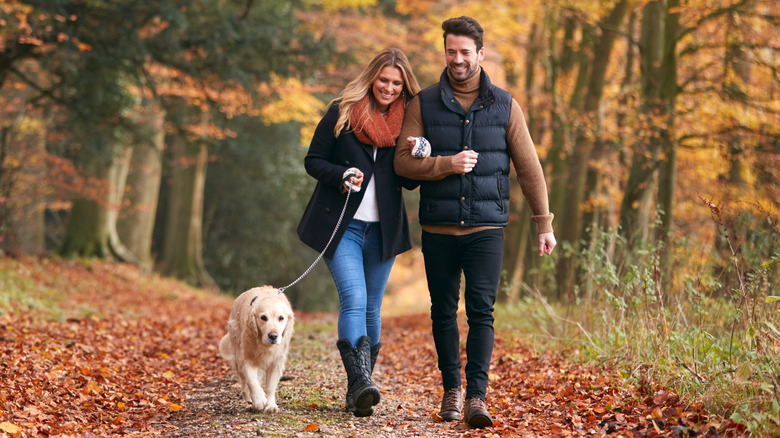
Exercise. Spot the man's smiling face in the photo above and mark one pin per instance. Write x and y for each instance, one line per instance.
(462, 56)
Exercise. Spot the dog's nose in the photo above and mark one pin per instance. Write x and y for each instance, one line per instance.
(273, 337)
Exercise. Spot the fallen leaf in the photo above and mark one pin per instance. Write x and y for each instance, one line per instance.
(8, 427)
(312, 428)
(94, 387)
(175, 408)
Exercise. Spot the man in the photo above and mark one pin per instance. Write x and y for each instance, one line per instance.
(474, 129)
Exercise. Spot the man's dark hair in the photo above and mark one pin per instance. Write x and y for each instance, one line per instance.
(465, 26)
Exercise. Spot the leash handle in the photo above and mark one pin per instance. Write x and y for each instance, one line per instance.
(338, 224)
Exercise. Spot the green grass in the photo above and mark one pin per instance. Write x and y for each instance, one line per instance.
(710, 337)
(17, 292)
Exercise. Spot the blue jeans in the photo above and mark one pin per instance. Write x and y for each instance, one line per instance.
(360, 276)
(479, 257)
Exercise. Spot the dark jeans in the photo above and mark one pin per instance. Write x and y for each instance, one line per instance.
(478, 256)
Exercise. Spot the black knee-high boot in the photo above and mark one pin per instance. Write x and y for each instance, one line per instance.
(374, 355)
(362, 395)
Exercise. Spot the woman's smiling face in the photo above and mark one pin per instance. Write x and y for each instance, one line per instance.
(387, 87)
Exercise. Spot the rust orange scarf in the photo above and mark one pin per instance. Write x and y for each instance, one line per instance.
(375, 129)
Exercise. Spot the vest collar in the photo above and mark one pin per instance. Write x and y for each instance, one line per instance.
(485, 98)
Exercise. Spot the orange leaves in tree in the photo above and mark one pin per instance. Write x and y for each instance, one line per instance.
(230, 99)
(289, 100)
(414, 7)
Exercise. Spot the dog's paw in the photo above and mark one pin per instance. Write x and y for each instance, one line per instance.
(271, 408)
(260, 404)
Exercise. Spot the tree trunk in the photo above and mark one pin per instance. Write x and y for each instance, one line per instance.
(738, 76)
(531, 89)
(668, 169)
(516, 232)
(515, 242)
(182, 255)
(737, 67)
(88, 232)
(118, 182)
(557, 158)
(136, 225)
(636, 208)
(22, 168)
(580, 159)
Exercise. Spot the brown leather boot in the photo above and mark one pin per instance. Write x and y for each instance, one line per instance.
(476, 413)
(451, 404)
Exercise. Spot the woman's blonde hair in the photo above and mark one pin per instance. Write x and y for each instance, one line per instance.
(361, 86)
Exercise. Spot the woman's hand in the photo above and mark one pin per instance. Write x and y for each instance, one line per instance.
(419, 146)
(353, 179)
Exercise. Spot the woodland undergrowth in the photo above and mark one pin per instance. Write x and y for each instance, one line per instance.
(712, 334)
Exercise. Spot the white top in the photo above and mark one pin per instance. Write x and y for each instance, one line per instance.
(368, 211)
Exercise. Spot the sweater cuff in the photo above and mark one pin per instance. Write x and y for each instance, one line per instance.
(543, 223)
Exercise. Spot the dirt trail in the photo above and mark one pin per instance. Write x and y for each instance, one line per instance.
(311, 396)
(530, 395)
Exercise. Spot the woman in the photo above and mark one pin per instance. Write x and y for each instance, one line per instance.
(354, 146)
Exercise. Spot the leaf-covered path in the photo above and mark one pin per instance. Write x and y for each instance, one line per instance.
(127, 353)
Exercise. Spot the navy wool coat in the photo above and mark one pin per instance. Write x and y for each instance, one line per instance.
(327, 160)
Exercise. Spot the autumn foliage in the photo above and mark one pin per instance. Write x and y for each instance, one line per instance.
(106, 349)
(115, 355)
(657, 123)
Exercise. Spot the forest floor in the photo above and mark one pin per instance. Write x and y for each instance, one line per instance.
(93, 348)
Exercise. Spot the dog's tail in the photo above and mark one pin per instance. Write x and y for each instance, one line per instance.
(226, 348)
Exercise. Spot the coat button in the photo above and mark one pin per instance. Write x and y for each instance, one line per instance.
(462, 222)
(327, 209)
(465, 147)
(467, 121)
(462, 198)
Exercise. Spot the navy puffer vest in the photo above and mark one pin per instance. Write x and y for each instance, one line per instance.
(481, 197)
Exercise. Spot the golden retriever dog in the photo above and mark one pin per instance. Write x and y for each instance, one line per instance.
(259, 330)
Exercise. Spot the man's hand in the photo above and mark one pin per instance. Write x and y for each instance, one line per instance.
(464, 162)
(546, 243)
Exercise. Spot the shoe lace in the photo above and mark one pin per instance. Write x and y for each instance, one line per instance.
(475, 403)
(451, 397)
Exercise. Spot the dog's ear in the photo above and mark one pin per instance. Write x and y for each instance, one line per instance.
(289, 328)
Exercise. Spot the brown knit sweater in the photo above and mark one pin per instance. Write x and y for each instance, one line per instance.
(521, 150)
